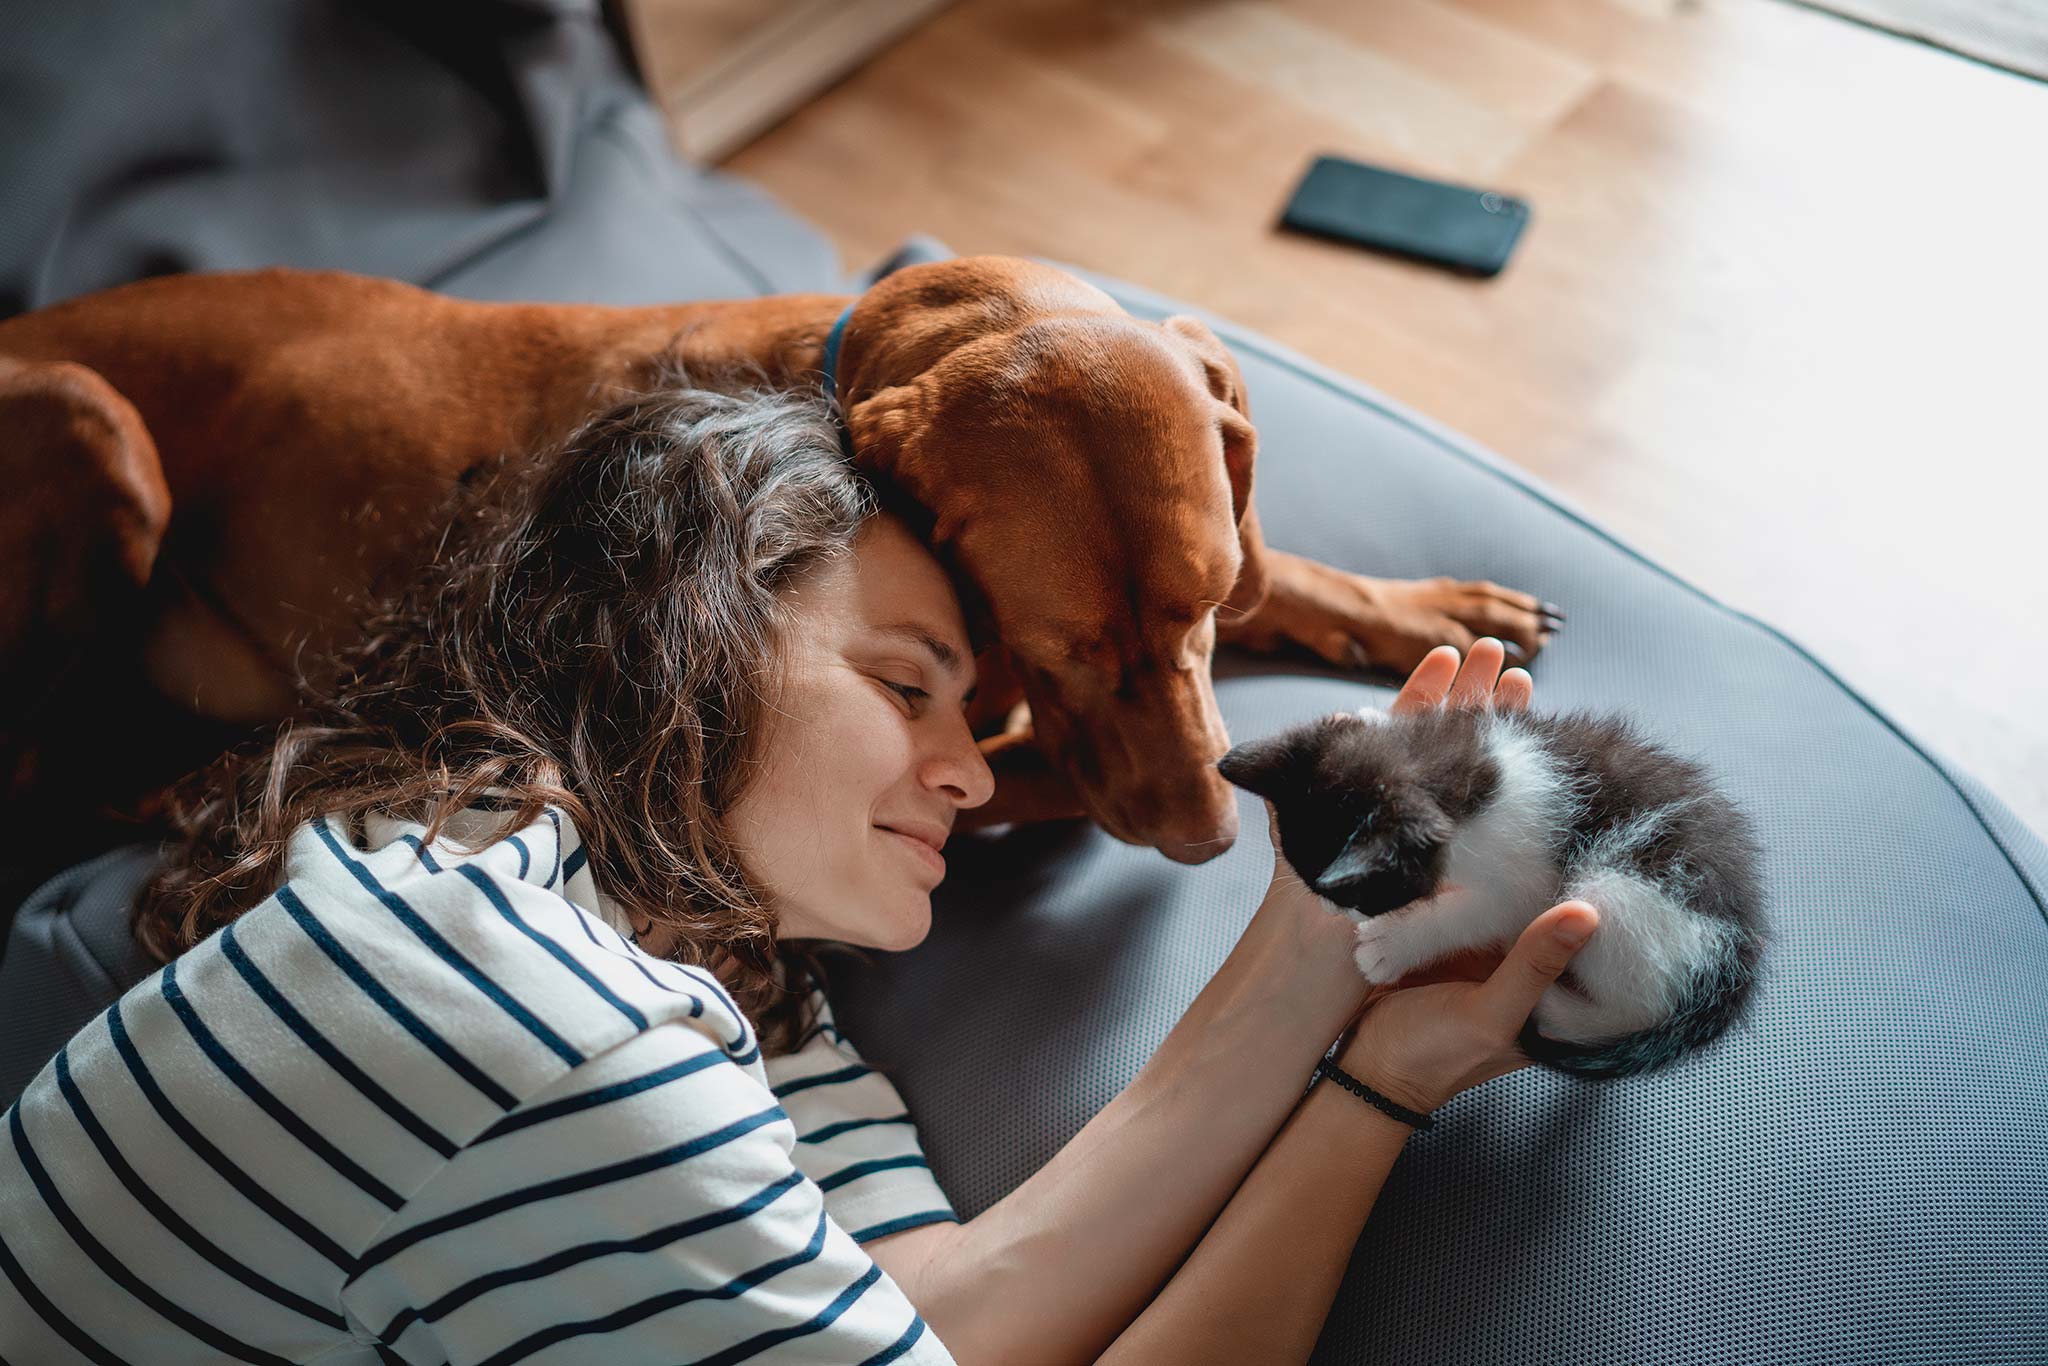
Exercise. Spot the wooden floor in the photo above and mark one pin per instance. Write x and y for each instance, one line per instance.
(1780, 319)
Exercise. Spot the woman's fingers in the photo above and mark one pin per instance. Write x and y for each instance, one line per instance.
(1515, 691)
(1430, 683)
(1479, 673)
(1544, 950)
(1474, 681)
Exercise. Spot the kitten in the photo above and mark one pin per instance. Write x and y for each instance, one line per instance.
(1444, 830)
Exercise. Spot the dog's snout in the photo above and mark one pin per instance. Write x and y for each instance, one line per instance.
(1201, 845)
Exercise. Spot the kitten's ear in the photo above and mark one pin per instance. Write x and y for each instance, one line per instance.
(1263, 767)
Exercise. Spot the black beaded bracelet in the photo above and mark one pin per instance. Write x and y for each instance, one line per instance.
(1329, 1069)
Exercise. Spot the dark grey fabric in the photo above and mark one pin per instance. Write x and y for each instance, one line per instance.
(69, 955)
(1858, 1174)
(487, 149)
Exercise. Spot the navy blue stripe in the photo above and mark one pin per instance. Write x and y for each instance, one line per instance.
(113, 1267)
(446, 951)
(426, 855)
(59, 1322)
(829, 1031)
(556, 817)
(254, 1193)
(570, 1105)
(525, 854)
(848, 1126)
(391, 1005)
(859, 1169)
(147, 1197)
(481, 880)
(669, 1299)
(569, 1185)
(901, 1345)
(908, 1221)
(818, 1323)
(231, 1067)
(633, 957)
(844, 1074)
(704, 977)
(567, 1257)
(573, 865)
(320, 1044)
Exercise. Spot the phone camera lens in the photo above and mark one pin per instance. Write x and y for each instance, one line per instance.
(1490, 202)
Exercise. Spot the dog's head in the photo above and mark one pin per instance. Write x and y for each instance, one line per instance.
(1090, 475)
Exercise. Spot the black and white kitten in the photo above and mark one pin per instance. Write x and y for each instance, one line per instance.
(1453, 828)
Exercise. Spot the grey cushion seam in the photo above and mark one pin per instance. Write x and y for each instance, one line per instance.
(738, 258)
(1336, 384)
(484, 251)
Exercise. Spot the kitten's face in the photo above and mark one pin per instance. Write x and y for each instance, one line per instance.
(1367, 809)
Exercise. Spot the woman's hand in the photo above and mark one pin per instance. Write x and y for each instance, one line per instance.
(1422, 1044)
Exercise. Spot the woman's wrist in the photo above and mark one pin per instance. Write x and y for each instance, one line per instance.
(1303, 965)
(1362, 1058)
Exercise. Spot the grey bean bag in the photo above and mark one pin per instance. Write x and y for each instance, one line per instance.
(1858, 1174)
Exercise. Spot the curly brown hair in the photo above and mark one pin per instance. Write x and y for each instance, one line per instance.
(597, 629)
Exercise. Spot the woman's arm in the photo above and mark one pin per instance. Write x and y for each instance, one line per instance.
(1101, 1227)
(1259, 1285)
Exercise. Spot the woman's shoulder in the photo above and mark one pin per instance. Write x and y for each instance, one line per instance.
(498, 926)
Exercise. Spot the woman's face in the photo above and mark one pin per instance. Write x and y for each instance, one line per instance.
(866, 756)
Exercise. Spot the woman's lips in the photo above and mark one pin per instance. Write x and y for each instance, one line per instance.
(930, 857)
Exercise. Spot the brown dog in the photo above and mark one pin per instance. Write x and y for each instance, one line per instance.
(209, 469)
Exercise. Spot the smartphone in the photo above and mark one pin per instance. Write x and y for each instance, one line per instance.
(1459, 226)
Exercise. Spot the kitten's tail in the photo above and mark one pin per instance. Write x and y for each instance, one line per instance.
(1713, 1000)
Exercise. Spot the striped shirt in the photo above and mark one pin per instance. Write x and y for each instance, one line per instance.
(430, 1106)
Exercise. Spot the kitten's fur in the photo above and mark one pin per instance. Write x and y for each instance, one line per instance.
(1454, 828)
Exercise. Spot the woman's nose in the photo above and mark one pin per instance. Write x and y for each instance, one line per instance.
(961, 770)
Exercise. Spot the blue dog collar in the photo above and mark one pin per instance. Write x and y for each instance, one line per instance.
(830, 366)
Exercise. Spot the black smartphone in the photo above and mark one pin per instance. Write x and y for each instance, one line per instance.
(1468, 229)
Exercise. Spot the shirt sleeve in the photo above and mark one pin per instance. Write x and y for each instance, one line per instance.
(645, 1208)
(854, 1137)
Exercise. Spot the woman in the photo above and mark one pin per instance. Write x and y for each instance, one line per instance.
(493, 1031)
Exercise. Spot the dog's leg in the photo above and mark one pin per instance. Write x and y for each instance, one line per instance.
(1358, 622)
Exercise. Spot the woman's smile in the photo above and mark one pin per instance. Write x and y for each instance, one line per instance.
(923, 852)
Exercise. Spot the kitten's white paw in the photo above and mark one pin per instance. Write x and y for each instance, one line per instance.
(1374, 957)
(1370, 714)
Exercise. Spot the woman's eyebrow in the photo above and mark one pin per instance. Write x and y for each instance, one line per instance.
(948, 657)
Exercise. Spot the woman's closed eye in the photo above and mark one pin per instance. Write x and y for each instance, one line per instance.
(914, 696)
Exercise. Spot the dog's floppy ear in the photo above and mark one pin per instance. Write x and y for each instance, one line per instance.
(1240, 452)
(888, 429)
(1226, 386)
